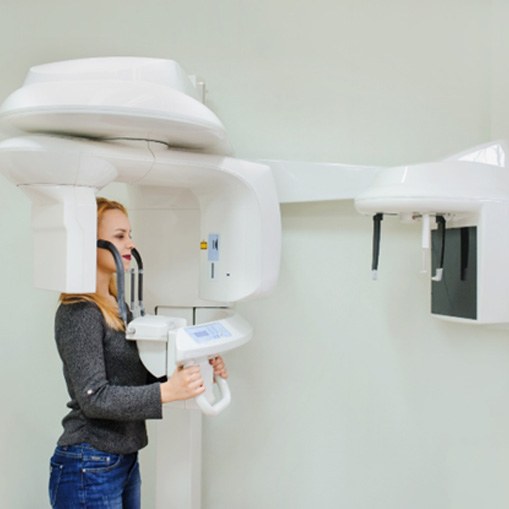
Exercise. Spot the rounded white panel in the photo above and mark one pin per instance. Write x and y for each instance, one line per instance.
(446, 186)
(152, 70)
(109, 98)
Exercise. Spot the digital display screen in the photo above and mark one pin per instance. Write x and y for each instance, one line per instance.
(210, 332)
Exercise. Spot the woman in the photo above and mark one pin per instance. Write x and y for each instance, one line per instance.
(95, 462)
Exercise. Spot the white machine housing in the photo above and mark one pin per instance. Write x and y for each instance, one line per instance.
(126, 116)
(116, 97)
(165, 342)
(139, 121)
(470, 190)
(208, 225)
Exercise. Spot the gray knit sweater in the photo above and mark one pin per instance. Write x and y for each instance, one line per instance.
(108, 385)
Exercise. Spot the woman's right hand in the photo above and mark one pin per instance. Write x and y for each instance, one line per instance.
(184, 383)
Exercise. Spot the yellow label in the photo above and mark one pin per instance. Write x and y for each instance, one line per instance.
(203, 245)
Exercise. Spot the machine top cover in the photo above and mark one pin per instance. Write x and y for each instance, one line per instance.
(116, 97)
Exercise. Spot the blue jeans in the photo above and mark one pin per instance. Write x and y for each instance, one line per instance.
(84, 478)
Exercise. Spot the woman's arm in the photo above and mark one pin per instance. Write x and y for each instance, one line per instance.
(80, 331)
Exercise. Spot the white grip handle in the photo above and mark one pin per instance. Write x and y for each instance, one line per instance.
(220, 404)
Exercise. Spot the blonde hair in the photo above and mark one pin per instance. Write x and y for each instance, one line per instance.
(108, 309)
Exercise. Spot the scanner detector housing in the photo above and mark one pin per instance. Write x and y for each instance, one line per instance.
(471, 191)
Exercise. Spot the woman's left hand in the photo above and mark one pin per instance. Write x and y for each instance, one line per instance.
(219, 366)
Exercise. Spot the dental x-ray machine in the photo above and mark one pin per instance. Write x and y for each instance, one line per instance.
(208, 224)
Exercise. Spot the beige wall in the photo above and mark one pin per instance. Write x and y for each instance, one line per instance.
(351, 395)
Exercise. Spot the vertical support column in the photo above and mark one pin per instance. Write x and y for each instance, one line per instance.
(179, 446)
(179, 435)
(179, 459)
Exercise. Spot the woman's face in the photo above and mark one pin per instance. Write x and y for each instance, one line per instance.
(115, 228)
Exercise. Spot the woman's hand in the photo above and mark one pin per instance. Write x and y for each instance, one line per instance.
(184, 383)
(219, 366)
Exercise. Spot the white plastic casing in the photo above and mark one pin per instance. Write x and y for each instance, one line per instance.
(128, 99)
(115, 97)
(158, 333)
(151, 334)
(63, 221)
(165, 343)
(469, 189)
(237, 202)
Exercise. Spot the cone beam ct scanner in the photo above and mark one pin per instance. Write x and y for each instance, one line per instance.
(208, 224)
(95, 121)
